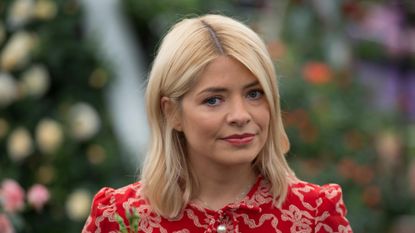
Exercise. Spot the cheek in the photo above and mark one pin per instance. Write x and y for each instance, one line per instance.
(263, 117)
(200, 125)
(264, 124)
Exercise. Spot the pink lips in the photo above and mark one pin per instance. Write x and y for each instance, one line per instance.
(240, 139)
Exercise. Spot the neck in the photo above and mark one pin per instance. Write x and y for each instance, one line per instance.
(223, 185)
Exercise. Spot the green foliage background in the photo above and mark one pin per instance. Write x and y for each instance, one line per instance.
(76, 75)
(336, 134)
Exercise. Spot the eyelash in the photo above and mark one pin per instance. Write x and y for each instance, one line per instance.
(258, 91)
(206, 101)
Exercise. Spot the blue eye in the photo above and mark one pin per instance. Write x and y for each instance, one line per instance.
(255, 94)
(212, 101)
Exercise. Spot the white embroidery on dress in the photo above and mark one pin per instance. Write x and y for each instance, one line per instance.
(325, 227)
(330, 191)
(196, 221)
(305, 189)
(344, 229)
(182, 231)
(107, 213)
(301, 219)
(265, 217)
(322, 217)
(297, 214)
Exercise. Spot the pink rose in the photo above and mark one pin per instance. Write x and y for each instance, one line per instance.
(5, 225)
(37, 196)
(11, 196)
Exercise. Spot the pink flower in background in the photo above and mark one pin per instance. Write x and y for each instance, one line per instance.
(5, 225)
(37, 196)
(11, 196)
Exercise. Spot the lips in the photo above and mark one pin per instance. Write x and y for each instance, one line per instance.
(240, 139)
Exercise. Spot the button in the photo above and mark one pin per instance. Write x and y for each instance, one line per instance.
(221, 228)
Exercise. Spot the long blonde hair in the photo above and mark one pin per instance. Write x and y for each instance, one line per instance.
(168, 181)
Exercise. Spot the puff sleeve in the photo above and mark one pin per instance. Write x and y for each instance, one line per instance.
(331, 212)
(103, 210)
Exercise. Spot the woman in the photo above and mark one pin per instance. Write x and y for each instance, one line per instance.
(216, 161)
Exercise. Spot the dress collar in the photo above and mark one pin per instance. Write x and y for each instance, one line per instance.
(240, 205)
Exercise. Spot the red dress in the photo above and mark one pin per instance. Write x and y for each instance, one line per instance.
(308, 208)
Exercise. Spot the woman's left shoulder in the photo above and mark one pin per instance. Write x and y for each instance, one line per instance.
(324, 202)
(312, 192)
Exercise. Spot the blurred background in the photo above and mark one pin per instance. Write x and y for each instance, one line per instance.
(72, 120)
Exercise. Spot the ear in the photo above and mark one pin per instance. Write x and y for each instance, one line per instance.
(169, 108)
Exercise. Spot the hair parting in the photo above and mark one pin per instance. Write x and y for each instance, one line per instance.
(214, 37)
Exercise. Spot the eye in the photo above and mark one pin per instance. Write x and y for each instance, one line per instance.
(255, 94)
(212, 101)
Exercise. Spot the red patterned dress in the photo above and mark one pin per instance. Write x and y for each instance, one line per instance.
(308, 208)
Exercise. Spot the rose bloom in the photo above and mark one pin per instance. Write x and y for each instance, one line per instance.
(8, 89)
(5, 225)
(49, 135)
(84, 121)
(20, 13)
(77, 205)
(17, 50)
(12, 196)
(35, 81)
(45, 9)
(37, 196)
(20, 144)
(317, 73)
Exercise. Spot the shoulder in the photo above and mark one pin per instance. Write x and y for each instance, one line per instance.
(323, 202)
(311, 192)
(317, 197)
(111, 196)
(110, 203)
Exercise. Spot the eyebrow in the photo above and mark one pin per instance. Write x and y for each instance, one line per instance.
(222, 89)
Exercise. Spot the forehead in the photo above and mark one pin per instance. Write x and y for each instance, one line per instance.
(224, 71)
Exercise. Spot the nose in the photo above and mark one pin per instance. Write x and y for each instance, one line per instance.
(238, 114)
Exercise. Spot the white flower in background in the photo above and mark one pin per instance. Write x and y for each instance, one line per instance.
(20, 144)
(78, 205)
(84, 121)
(35, 81)
(2, 32)
(48, 135)
(8, 89)
(45, 9)
(17, 50)
(20, 13)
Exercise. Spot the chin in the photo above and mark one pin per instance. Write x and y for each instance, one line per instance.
(240, 158)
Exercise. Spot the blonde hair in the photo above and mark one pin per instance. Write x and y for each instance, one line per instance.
(168, 181)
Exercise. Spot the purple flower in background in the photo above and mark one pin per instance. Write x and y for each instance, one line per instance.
(382, 24)
(385, 25)
(392, 90)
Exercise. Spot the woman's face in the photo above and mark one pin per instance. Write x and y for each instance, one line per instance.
(225, 116)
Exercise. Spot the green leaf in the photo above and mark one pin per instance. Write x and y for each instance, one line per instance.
(120, 220)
